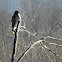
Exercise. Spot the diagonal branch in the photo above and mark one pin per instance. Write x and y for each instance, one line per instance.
(28, 50)
(47, 55)
(46, 48)
(43, 47)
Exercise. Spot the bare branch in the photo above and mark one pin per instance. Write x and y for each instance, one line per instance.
(46, 48)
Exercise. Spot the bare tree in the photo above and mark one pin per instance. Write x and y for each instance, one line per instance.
(39, 38)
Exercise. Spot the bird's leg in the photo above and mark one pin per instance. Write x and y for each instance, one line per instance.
(13, 30)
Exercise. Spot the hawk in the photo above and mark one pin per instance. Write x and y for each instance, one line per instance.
(15, 18)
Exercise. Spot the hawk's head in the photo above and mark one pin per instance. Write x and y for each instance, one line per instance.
(17, 12)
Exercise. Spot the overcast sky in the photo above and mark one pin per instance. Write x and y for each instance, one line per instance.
(13, 5)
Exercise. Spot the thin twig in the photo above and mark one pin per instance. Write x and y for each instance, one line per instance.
(47, 55)
(30, 33)
(46, 48)
(52, 44)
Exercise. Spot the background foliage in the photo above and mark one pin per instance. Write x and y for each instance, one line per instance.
(42, 18)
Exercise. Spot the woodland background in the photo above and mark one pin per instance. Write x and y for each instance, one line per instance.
(42, 18)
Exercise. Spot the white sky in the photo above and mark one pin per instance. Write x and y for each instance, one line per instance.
(15, 4)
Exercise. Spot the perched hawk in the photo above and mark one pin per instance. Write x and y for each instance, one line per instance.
(15, 18)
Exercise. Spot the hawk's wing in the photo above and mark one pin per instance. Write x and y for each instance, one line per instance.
(15, 19)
